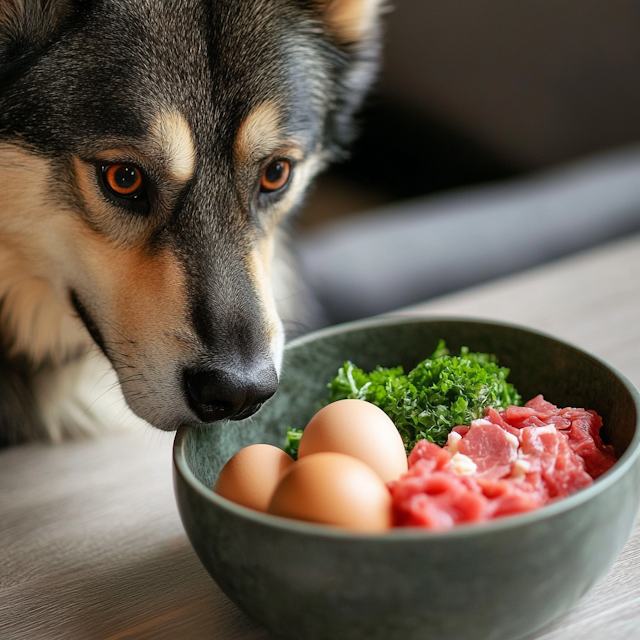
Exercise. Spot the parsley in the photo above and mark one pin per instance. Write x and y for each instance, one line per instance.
(439, 393)
(292, 442)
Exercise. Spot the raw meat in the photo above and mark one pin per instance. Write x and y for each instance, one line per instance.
(507, 463)
(491, 447)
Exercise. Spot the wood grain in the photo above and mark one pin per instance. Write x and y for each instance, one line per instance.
(91, 544)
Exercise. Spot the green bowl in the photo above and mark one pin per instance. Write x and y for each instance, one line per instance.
(501, 580)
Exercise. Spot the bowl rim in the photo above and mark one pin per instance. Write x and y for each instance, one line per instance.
(548, 511)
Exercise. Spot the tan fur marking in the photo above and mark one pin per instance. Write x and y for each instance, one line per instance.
(146, 293)
(259, 269)
(154, 297)
(44, 248)
(39, 240)
(169, 147)
(36, 317)
(10, 10)
(260, 134)
(351, 20)
(172, 134)
(85, 182)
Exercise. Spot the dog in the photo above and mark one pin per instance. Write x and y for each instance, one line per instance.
(150, 154)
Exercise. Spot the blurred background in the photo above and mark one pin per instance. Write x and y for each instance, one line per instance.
(519, 117)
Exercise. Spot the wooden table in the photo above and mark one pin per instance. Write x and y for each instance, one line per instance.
(92, 548)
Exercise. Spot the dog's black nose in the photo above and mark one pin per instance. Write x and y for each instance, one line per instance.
(223, 393)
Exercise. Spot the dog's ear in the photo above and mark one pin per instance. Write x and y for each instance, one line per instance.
(351, 20)
(30, 23)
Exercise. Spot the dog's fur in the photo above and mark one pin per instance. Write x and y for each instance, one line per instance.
(200, 95)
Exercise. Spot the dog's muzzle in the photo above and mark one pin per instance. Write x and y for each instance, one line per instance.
(220, 393)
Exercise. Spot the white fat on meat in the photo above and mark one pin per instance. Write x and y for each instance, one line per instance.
(479, 422)
(452, 442)
(520, 468)
(546, 429)
(514, 443)
(463, 465)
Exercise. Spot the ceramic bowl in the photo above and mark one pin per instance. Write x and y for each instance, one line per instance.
(501, 580)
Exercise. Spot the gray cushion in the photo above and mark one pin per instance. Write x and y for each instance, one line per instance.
(413, 251)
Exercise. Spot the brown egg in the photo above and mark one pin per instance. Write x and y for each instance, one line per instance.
(336, 489)
(359, 429)
(251, 476)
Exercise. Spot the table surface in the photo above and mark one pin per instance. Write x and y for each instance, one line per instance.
(92, 547)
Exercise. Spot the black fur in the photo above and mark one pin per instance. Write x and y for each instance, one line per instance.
(108, 61)
(92, 71)
(19, 416)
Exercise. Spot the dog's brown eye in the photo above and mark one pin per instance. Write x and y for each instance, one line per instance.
(123, 179)
(275, 176)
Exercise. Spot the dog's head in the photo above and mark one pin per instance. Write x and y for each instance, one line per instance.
(148, 151)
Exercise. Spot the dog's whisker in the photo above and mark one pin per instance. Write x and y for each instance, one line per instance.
(120, 333)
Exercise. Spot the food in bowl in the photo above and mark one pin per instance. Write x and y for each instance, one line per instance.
(252, 475)
(358, 429)
(503, 463)
(335, 489)
(438, 394)
(510, 576)
(349, 450)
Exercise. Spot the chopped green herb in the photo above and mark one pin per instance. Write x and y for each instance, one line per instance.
(438, 394)
(292, 442)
